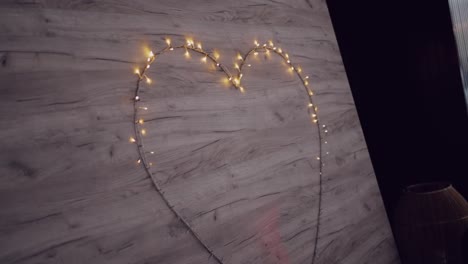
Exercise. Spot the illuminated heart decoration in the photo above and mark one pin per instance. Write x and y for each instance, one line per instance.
(235, 80)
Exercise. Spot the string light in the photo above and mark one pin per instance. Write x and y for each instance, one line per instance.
(234, 80)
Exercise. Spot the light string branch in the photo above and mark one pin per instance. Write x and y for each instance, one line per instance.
(235, 80)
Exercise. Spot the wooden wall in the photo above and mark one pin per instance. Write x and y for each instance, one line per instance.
(239, 168)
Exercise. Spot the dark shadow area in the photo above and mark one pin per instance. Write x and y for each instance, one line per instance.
(402, 64)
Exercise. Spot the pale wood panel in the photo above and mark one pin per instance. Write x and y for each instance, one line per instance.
(239, 168)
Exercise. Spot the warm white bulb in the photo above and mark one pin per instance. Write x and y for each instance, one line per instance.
(168, 41)
(199, 46)
(141, 121)
(203, 59)
(132, 140)
(239, 57)
(137, 71)
(255, 53)
(271, 43)
(137, 98)
(241, 89)
(171, 48)
(249, 65)
(148, 80)
(151, 54)
(147, 66)
(307, 77)
(143, 132)
(310, 104)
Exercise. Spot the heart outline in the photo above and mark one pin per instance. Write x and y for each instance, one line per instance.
(236, 83)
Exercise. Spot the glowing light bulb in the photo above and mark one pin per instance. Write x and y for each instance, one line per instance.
(230, 78)
(171, 49)
(286, 55)
(217, 64)
(292, 68)
(137, 98)
(148, 60)
(306, 82)
(137, 71)
(148, 80)
(264, 45)
(139, 161)
(323, 125)
(152, 152)
(310, 104)
(326, 142)
(199, 46)
(311, 93)
(255, 53)
(147, 66)
(315, 120)
(144, 108)
(203, 59)
(187, 54)
(314, 115)
(143, 132)
(328, 153)
(151, 163)
(241, 89)
(318, 158)
(326, 131)
(189, 41)
(151, 54)
(216, 54)
(168, 41)
(274, 48)
(288, 61)
(249, 65)
(239, 56)
(141, 121)
(256, 43)
(280, 50)
(236, 66)
(132, 140)
(270, 43)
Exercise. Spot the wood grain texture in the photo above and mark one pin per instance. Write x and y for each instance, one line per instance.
(240, 168)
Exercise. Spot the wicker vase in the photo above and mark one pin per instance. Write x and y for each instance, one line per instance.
(430, 222)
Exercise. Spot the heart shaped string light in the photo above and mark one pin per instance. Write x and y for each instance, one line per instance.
(235, 80)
